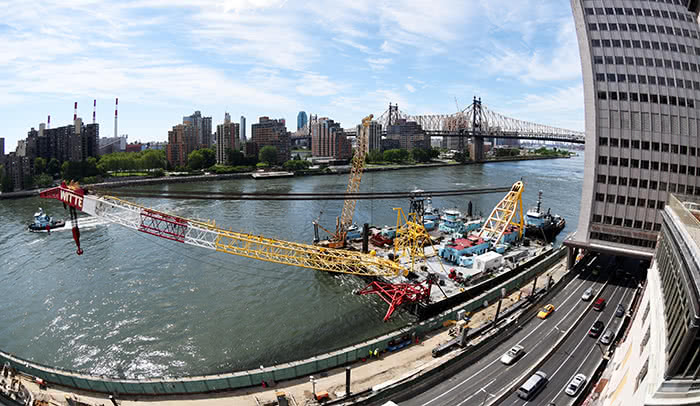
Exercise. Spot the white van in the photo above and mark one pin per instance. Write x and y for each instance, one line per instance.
(532, 386)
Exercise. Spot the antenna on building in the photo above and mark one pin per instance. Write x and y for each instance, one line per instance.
(75, 111)
(48, 122)
(116, 106)
(94, 109)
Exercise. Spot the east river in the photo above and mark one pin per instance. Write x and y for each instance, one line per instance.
(134, 305)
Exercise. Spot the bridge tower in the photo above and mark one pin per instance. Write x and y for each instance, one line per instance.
(478, 130)
(393, 114)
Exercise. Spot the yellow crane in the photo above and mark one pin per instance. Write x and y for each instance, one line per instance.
(338, 239)
(207, 235)
(502, 215)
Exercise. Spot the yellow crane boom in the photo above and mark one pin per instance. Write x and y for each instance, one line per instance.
(358, 165)
(502, 215)
(208, 235)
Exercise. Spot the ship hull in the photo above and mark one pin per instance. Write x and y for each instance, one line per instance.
(547, 232)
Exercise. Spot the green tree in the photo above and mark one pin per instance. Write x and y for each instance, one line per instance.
(434, 153)
(296, 165)
(43, 180)
(196, 160)
(53, 167)
(462, 157)
(375, 156)
(39, 165)
(268, 154)
(396, 155)
(420, 154)
(6, 184)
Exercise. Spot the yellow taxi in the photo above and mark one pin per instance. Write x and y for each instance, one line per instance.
(546, 311)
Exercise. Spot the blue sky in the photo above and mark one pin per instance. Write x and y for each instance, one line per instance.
(166, 58)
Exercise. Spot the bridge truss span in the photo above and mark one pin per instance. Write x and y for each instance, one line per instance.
(477, 120)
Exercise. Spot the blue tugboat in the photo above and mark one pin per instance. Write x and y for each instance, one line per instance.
(42, 222)
(541, 225)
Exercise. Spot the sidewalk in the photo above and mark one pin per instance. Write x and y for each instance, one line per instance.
(364, 375)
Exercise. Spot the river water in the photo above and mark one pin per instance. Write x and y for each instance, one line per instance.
(134, 305)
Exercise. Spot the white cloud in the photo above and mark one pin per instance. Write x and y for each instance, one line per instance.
(389, 47)
(409, 87)
(563, 63)
(562, 108)
(378, 63)
(316, 85)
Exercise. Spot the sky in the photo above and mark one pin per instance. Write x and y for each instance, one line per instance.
(164, 59)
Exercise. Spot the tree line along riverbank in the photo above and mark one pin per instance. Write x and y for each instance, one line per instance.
(116, 182)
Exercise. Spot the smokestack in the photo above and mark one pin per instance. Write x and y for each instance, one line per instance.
(116, 106)
(48, 122)
(75, 111)
(94, 109)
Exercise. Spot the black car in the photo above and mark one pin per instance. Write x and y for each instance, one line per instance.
(620, 311)
(596, 329)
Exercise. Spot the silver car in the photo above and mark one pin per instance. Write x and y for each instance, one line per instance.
(587, 294)
(575, 384)
(607, 337)
(513, 354)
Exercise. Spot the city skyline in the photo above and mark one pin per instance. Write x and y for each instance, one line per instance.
(265, 59)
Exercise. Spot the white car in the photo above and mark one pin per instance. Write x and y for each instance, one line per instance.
(513, 354)
(587, 294)
(575, 384)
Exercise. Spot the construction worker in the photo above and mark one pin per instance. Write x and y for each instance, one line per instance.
(376, 352)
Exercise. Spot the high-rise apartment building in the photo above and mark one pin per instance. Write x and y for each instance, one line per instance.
(227, 137)
(270, 132)
(328, 140)
(74, 142)
(202, 126)
(409, 134)
(374, 143)
(641, 75)
(182, 140)
(302, 120)
(243, 132)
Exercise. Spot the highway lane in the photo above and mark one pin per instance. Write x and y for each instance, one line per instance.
(579, 353)
(489, 375)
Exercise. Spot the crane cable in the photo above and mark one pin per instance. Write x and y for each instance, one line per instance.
(208, 195)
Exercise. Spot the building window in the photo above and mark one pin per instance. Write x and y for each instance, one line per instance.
(623, 181)
(602, 141)
(620, 200)
(601, 178)
(641, 202)
(612, 180)
(631, 201)
(602, 160)
(611, 198)
(599, 197)
(633, 182)
(602, 96)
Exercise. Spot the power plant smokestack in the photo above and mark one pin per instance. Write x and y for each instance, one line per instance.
(94, 109)
(116, 106)
(75, 111)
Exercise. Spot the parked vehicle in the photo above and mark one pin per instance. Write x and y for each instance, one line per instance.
(575, 384)
(596, 329)
(513, 354)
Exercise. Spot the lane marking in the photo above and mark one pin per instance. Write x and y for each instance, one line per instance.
(477, 392)
(582, 282)
(591, 350)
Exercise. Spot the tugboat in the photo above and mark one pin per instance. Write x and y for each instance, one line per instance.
(42, 222)
(541, 225)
